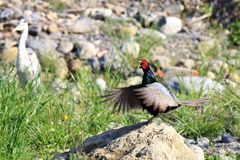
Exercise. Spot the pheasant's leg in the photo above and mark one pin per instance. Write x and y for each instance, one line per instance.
(150, 120)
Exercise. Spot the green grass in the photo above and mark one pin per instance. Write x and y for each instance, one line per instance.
(46, 123)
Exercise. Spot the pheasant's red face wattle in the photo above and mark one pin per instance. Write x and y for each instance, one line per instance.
(144, 64)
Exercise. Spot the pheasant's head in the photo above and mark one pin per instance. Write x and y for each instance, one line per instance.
(144, 64)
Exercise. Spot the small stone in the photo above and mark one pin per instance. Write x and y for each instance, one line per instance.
(189, 141)
(82, 25)
(152, 33)
(221, 151)
(233, 62)
(74, 65)
(203, 141)
(144, 19)
(94, 62)
(134, 80)
(6, 14)
(35, 29)
(17, 13)
(234, 76)
(188, 63)
(211, 75)
(65, 47)
(101, 53)
(56, 35)
(60, 68)
(17, 3)
(227, 138)
(28, 13)
(174, 8)
(218, 65)
(52, 27)
(209, 45)
(40, 44)
(101, 83)
(131, 48)
(164, 61)
(129, 30)
(36, 16)
(195, 56)
(52, 16)
(98, 13)
(198, 151)
(9, 53)
(170, 25)
(87, 50)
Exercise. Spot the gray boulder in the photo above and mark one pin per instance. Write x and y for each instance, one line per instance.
(139, 142)
(195, 83)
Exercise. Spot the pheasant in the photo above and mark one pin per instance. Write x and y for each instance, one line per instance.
(150, 95)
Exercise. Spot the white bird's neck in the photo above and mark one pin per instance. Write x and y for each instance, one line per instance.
(22, 42)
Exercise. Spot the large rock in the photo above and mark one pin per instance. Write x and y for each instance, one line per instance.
(155, 141)
(195, 83)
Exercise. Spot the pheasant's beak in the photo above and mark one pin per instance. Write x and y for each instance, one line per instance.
(19, 27)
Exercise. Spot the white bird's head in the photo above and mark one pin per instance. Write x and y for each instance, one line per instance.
(22, 25)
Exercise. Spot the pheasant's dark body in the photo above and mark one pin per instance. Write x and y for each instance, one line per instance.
(149, 95)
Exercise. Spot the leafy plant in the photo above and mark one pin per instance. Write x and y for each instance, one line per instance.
(235, 32)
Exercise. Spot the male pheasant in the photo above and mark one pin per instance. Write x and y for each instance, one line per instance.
(150, 95)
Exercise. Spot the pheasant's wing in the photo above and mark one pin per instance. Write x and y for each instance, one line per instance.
(156, 95)
(123, 98)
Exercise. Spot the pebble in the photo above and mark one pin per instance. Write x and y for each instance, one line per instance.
(82, 25)
(101, 83)
(152, 32)
(9, 53)
(170, 25)
(218, 65)
(65, 47)
(209, 45)
(227, 138)
(74, 65)
(174, 8)
(198, 151)
(130, 48)
(6, 14)
(52, 27)
(87, 50)
(95, 64)
(35, 29)
(203, 141)
(56, 35)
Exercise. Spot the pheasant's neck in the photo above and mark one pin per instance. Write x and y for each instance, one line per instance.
(148, 77)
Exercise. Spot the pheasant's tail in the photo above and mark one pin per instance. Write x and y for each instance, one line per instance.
(193, 102)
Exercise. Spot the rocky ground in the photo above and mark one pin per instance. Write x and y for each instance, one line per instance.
(83, 30)
(157, 141)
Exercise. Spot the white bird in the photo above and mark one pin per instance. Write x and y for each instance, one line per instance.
(28, 66)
